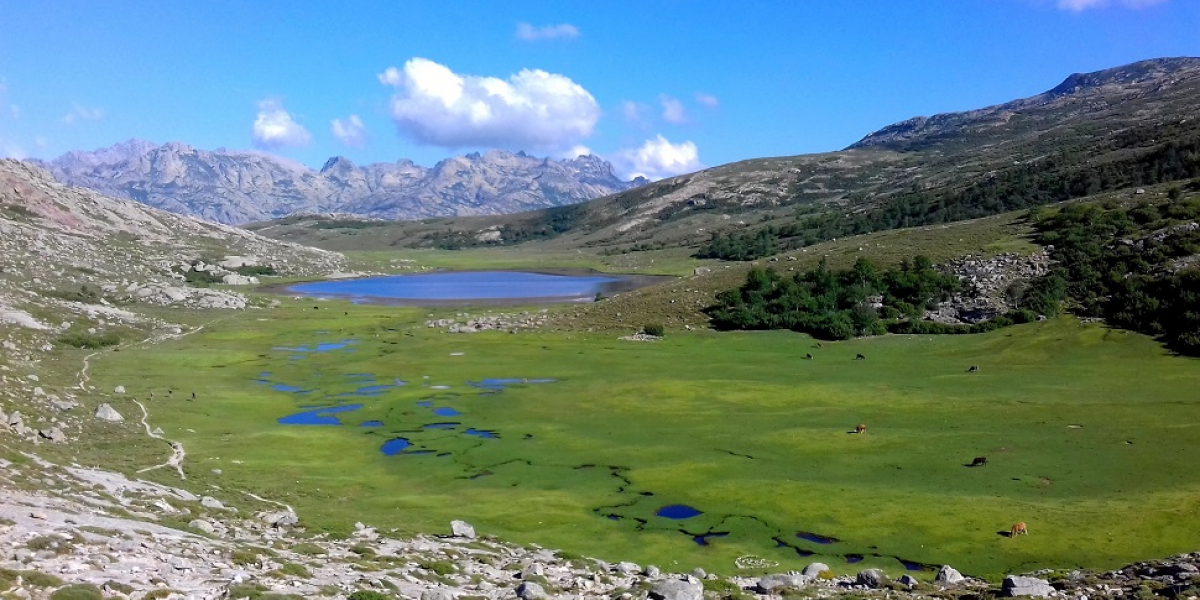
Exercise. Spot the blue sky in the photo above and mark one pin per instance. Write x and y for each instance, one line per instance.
(656, 86)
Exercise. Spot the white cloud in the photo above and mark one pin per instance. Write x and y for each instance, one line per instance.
(82, 113)
(707, 100)
(659, 158)
(577, 151)
(275, 128)
(350, 132)
(531, 33)
(632, 111)
(532, 109)
(1082, 5)
(673, 111)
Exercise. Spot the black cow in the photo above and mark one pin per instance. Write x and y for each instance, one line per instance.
(973, 369)
(807, 357)
(860, 357)
(978, 461)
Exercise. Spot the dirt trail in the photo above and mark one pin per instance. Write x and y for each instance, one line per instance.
(177, 451)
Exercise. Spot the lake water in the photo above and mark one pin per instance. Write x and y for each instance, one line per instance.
(461, 286)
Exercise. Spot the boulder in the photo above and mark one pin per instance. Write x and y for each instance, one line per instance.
(652, 572)
(202, 525)
(53, 434)
(628, 568)
(533, 570)
(1016, 585)
(908, 581)
(779, 581)
(279, 519)
(814, 570)
(949, 575)
(462, 529)
(210, 502)
(872, 578)
(529, 590)
(436, 595)
(104, 412)
(120, 389)
(677, 589)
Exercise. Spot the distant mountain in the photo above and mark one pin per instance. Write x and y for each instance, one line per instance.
(239, 187)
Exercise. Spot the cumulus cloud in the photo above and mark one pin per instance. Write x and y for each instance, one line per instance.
(1082, 5)
(577, 151)
(632, 111)
(82, 113)
(673, 111)
(532, 33)
(659, 158)
(350, 131)
(532, 109)
(707, 100)
(274, 127)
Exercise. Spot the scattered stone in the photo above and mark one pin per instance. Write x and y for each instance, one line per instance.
(1016, 585)
(202, 525)
(948, 575)
(814, 570)
(105, 412)
(120, 389)
(908, 581)
(210, 502)
(677, 589)
(462, 529)
(529, 590)
(872, 578)
(770, 583)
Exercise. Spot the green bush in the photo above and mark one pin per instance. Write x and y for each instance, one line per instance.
(655, 329)
(368, 595)
(90, 341)
(291, 569)
(78, 591)
(160, 594)
(441, 567)
(256, 270)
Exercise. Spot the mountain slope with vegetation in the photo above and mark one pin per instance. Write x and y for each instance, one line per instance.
(1097, 132)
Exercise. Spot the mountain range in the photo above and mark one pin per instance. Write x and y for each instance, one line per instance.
(236, 187)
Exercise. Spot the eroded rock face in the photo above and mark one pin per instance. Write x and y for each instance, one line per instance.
(1016, 585)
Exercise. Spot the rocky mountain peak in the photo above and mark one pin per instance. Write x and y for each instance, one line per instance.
(1107, 87)
(237, 187)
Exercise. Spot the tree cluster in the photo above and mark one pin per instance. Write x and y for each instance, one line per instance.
(831, 304)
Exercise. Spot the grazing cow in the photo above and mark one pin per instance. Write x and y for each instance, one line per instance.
(807, 357)
(1018, 529)
(973, 369)
(860, 357)
(817, 345)
(978, 461)
(193, 395)
(860, 428)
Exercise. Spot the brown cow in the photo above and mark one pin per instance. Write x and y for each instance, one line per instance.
(1018, 529)
(860, 428)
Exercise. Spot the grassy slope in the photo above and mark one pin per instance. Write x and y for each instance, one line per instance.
(1118, 488)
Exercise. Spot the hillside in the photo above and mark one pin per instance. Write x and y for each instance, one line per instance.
(1095, 132)
(237, 187)
(78, 269)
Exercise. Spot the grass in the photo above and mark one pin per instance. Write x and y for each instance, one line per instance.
(1087, 430)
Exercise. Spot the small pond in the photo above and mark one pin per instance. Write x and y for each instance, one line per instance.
(472, 286)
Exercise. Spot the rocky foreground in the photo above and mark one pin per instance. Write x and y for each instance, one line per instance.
(74, 532)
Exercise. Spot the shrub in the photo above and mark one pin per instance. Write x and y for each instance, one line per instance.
(243, 558)
(117, 586)
(441, 567)
(39, 579)
(291, 569)
(160, 594)
(654, 329)
(255, 270)
(78, 591)
(368, 595)
(90, 341)
(308, 549)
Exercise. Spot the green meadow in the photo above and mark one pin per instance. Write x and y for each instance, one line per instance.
(1090, 435)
